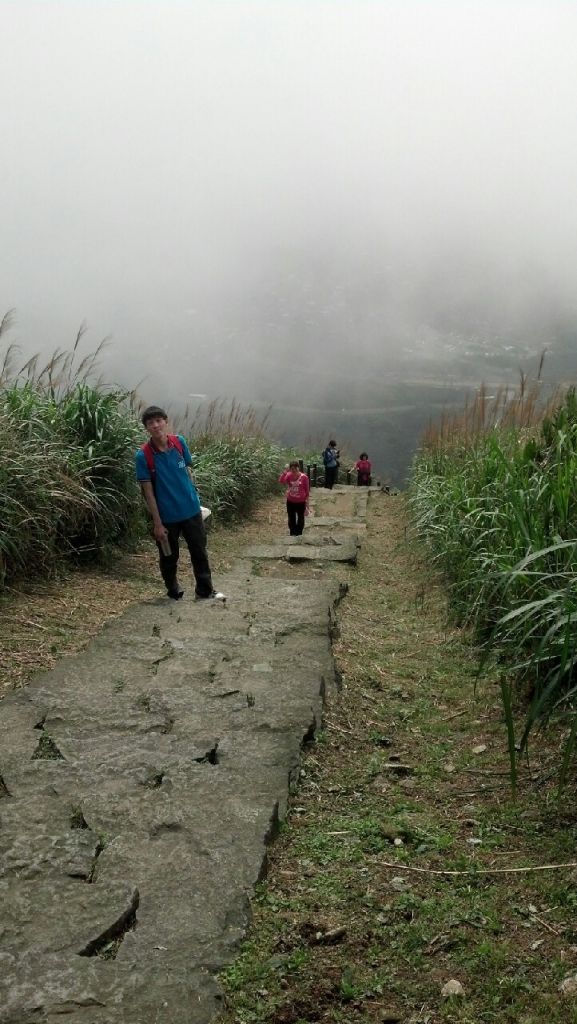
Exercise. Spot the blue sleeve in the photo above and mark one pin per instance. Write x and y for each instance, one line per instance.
(142, 471)
(187, 455)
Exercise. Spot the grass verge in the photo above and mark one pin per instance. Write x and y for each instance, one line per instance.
(408, 778)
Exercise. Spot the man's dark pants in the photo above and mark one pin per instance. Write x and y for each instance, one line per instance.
(195, 536)
(331, 473)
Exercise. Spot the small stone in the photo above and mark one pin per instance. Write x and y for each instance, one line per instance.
(306, 864)
(452, 988)
(408, 784)
(399, 884)
(480, 748)
(449, 767)
(331, 936)
(568, 986)
(380, 783)
(474, 842)
(398, 842)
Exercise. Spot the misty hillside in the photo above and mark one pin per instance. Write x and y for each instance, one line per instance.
(370, 360)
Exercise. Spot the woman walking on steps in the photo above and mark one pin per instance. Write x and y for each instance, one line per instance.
(297, 497)
(363, 468)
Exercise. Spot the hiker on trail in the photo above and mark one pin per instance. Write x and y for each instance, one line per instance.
(297, 497)
(331, 464)
(163, 470)
(363, 468)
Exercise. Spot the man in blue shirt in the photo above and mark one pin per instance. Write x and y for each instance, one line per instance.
(164, 474)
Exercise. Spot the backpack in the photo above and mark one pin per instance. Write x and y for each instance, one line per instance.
(328, 456)
(173, 442)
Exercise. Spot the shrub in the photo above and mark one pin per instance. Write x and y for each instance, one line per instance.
(497, 504)
(67, 445)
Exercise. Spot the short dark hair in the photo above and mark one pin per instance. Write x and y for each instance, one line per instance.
(152, 412)
(295, 462)
(363, 455)
(332, 444)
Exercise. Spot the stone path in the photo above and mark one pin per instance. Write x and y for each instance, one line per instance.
(142, 780)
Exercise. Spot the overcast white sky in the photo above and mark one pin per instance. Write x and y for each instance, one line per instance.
(167, 167)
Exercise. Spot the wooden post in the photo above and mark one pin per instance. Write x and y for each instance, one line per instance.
(309, 471)
(315, 474)
(301, 465)
(348, 476)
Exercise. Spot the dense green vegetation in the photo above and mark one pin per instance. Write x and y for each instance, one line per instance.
(67, 444)
(494, 495)
(66, 479)
(235, 464)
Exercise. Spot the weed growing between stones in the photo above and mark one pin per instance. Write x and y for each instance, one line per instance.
(47, 750)
(77, 819)
(107, 944)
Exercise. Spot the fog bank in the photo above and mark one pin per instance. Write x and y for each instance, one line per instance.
(247, 196)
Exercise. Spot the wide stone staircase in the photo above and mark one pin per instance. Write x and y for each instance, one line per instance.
(142, 781)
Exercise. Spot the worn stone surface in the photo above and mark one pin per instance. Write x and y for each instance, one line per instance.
(142, 783)
(333, 548)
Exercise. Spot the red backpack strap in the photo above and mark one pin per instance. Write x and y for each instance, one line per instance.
(174, 440)
(148, 451)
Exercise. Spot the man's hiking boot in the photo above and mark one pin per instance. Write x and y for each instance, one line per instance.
(214, 596)
(175, 592)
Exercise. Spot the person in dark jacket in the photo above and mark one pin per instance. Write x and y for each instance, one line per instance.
(331, 464)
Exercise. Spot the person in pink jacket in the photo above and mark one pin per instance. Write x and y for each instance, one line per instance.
(297, 497)
(363, 468)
